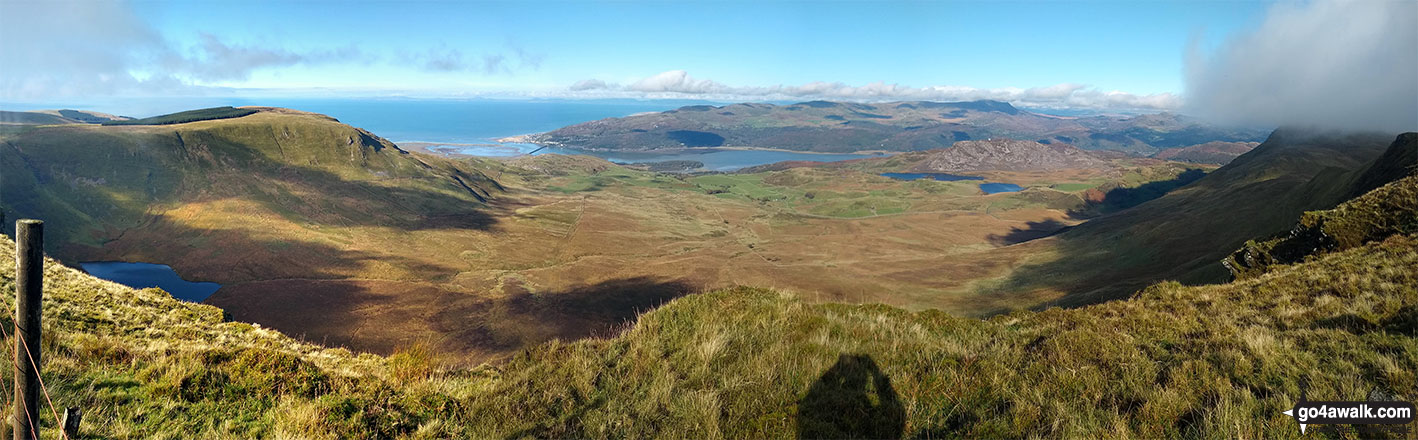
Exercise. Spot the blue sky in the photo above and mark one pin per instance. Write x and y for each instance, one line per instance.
(1103, 55)
(1130, 46)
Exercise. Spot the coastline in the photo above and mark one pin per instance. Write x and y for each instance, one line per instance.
(431, 148)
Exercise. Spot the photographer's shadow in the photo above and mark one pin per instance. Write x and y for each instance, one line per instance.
(853, 399)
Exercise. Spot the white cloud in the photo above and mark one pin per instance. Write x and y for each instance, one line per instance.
(55, 50)
(1324, 63)
(444, 59)
(589, 84)
(677, 81)
(679, 84)
(86, 50)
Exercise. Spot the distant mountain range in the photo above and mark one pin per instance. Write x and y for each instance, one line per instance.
(824, 126)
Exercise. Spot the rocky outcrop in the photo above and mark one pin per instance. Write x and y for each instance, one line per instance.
(1387, 205)
(1007, 155)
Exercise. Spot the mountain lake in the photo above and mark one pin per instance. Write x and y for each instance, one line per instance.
(144, 275)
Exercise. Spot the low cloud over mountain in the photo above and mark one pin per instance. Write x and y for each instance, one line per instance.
(678, 83)
(1326, 63)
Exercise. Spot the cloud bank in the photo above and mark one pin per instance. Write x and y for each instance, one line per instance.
(1326, 63)
(64, 50)
(104, 50)
(444, 59)
(679, 84)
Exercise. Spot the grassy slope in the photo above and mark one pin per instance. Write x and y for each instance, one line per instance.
(1218, 361)
(304, 167)
(1184, 234)
(27, 118)
(1388, 210)
(143, 364)
(205, 114)
(298, 216)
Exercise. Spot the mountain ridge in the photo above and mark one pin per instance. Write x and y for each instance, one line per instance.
(1185, 234)
(827, 126)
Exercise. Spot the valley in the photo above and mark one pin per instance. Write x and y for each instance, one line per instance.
(296, 216)
(481, 274)
(638, 219)
(1195, 361)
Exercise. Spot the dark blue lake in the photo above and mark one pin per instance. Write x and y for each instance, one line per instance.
(992, 188)
(144, 275)
(943, 177)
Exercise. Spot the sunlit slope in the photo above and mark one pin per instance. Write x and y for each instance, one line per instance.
(143, 364)
(1172, 361)
(1184, 234)
(95, 182)
(334, 236)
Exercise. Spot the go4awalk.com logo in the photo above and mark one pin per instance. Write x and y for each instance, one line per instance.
(1368, 416)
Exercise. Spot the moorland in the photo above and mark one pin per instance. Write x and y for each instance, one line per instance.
(373, 291)
(297, 215)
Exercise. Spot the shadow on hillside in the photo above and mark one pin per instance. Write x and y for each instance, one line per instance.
(119, 185)
(523, 319)
(1405, 321)
(1181, 236)
(381, 316)
(411, 204)
(277, 211)
(236, 255)
(1030, 231)
(1118, 199)
(853, 399)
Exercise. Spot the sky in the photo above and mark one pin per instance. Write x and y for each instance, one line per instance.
(1102, 55)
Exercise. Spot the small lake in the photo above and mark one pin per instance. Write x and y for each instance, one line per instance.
(144, 275)
(994, 188)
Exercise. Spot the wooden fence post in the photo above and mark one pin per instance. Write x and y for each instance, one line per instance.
(29, 285)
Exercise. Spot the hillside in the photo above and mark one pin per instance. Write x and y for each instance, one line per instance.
(32, 118)
(1219, 153)
(301, 166)
(277, 196)
(1005, 155)
(1171, 361)
(1184, 234)
(206, 114)
(300, 216)
(66, 116)
(898, 126)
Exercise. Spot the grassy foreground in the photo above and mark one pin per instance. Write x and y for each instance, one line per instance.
(1217, 361)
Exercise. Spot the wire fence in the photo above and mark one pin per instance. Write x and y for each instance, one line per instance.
(33, 293)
